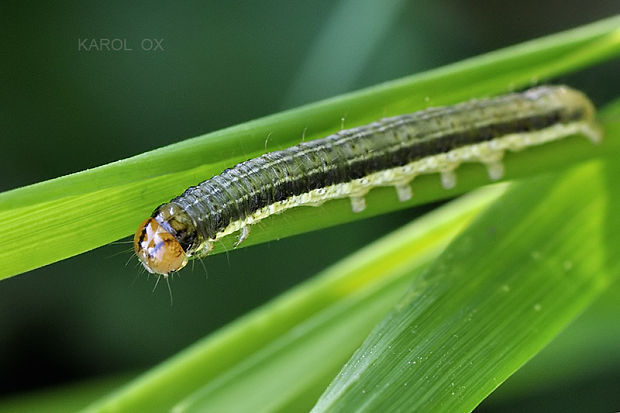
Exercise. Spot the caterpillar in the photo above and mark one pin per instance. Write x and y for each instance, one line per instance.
(347, 164)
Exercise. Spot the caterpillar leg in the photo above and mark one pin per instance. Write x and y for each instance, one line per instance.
(358, 203)
(448, 179)
(244, 232)
(592, 132)
(495, 170)
(403, 190)
(204, 250)
(494, 165)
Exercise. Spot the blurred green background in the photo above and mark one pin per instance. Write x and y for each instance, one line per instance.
(64, 109)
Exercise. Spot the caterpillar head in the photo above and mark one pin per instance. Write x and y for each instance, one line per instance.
(161, 240)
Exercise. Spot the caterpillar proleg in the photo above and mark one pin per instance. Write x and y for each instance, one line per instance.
(347, 164)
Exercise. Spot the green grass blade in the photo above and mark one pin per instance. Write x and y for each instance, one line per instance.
(591, 345)
(56, 219)
(499, 293)
(236, 365)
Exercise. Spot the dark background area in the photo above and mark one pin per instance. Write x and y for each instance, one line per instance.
(63, 110)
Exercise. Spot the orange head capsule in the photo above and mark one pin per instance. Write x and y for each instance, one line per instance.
(158, 250)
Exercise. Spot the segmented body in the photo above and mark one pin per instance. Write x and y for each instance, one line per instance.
(392, 151)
